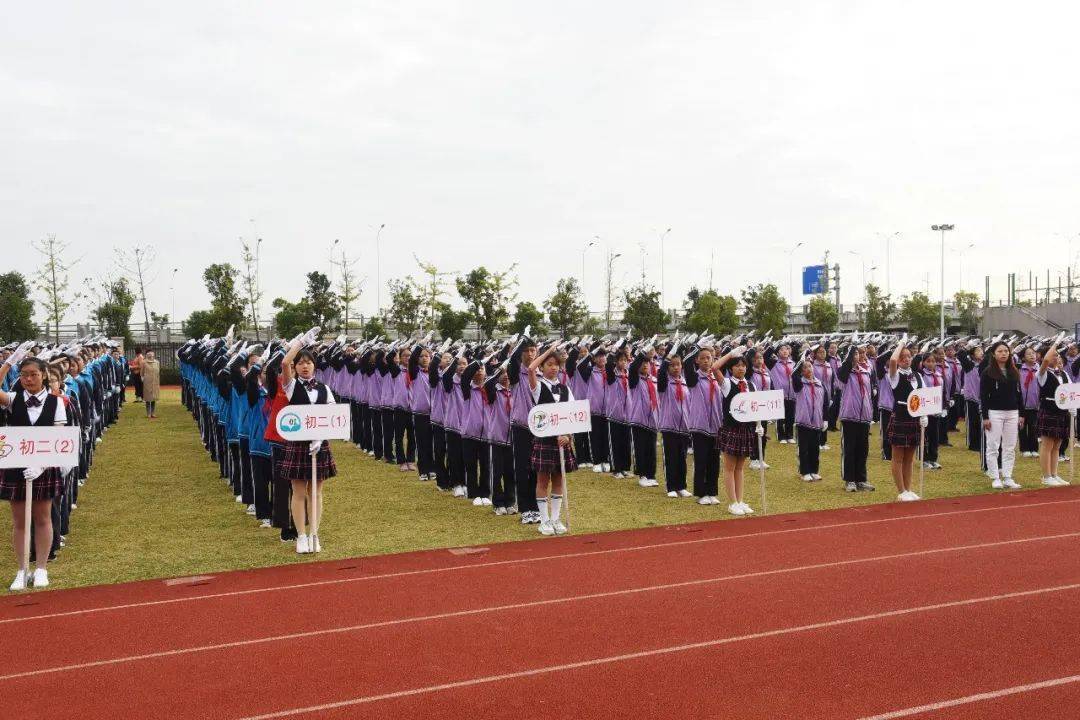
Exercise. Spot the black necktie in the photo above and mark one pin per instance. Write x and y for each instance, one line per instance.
(309, 385)
(33, 401)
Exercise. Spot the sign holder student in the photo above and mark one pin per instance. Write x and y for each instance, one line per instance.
(923, 402)
(37, 447)
(323, 423)
(565, 418)
(755, 407)
(1067, 397)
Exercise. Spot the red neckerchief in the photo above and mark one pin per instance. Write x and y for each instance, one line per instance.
(813, 394)
(408, 379)
(678, 389)
(764, 373)
(506, 397)
(1029, 378)
(742, 385)
(624, 381)
(787, 368)
(862, 381)
(651, 385)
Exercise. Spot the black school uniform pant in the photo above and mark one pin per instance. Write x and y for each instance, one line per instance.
(974, 426)
(474, 454)
(425, 463)
(932, 441)
(403, 437)
(620, 446)
(438, 456)
(454, 462)
(943, 430)
(503, 488)
(582, 448)
(834, 411)
(281, 489)
(524, 477)
(785, 429)
(809, 449)
(1029, 434)
(764, 447)
(706, 464)
(386, 418)
(222, 450)
(365, 427)
(247, 488)
(644, 451)
(856, 442)
(598, 440)
(675, 445)
(356, 434)
(375, 415)
(261, 476)
(885, 416)
(235, 473)
(955, 412)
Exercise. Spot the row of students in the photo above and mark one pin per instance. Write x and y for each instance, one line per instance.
(80, 384)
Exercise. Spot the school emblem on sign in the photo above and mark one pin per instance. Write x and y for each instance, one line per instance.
(913, 403)
(289, 423)
(5, 448)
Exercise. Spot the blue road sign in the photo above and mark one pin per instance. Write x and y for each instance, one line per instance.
(815, 279)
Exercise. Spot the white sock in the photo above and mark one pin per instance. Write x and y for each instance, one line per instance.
(542, 508)
(556, 507)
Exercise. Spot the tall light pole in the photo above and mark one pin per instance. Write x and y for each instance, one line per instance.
(960, 266)
(611, 257)
(332, 246)
(378, 273)
(172, 293)
(596, 239)
(863, 263)
(258, 289)
(791, 261)
(888, 262)
(942, 229)
(662, 236)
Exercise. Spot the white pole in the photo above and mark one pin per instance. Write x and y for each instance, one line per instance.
(942, 308)
(1072, 448)
(27, 520)
(313, 520)
(761, 468)
(565, 486)
(922, 449)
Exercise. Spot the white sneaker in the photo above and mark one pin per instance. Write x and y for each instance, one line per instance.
(816, 477)
(266, 523)
(585, 465)
(607, 467)
(239, 498)
(560, 529)
(302, 547)
(459, 491)
(913, 495)
(704, 500)
(486, 502)
(316, 546)
(685, 493)
(1011, 484)
(736, 508)
(906, 496)
(19, 583)
(647, 482)
(673, 494)
(747, 510)
(597, 468)
(1062, 482)
(546, 528)
(478, 502)
(500, 511)
(767, 465)
(928, 466)
(618, 476)
(250, 510)
(824, 447)
(713, 500)
(808, 478)
(997, 484)
(1054, 481)
(755, 464)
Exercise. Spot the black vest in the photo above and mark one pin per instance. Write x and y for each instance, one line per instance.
(903, 389)
(300, 396)
(553, 394)
(20, 415)
(1054, 378)
(728, 420)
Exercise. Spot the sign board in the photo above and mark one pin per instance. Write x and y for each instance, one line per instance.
(754, 406)
(22, 447)
(315, 422)
(815, 279)
(565, 418)
(1067, 396)
(924, 401)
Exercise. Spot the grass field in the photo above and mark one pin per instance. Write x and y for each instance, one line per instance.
(155, 507)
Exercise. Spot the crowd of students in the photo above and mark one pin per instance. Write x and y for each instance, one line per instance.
(455, 413)
(42, 384)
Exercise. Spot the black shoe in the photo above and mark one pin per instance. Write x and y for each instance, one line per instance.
(865, 487)
(288, 534)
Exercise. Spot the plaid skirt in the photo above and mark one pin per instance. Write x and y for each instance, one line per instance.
(904, 432)
(296, 461)
(1053, 424)
(48, 485)
(545, 456)
(738, 440)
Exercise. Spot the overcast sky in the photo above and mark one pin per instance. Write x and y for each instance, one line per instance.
(499, 132)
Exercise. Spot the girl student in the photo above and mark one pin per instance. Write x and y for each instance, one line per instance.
(474, 455)
(259, 450)
(436, 367)
(672, 418)
(855, 375)
(703, 421)
(903, 429)
(498, 403)
(545, 387)
(930, 375)
(1029, 391)
(29, 403)
(1052, 422)
(455, 403)
(420, 407)
(811, 409)
(592, 370)
(644, 405)
(521, 358)
(617, 405)
(734, 438)
(762, 378)
(970, 358)
(299, 385)
(580, 388)
(824, 372)
(781, 367)
(999, 397)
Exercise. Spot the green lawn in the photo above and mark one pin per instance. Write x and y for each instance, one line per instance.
(155, 507)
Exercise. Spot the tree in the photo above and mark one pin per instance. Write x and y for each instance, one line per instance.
(291, 319)
(226, 307)
(160, 322)
(16, 308)
(322, 301)
(879, 311)
(252, 292)
(113, 310)
(138, 264)
(592, 326)
(405, 306)
(565, 309)
(643, 313)
(348, 287)
(374, 328)
(432, 291)
(920, 315)
(201, 322)
(451, 323)
(487, 296)
(967, 307)
(526, 314)
(52, 281)
(765, 309)
(822, 315)
(710, 312)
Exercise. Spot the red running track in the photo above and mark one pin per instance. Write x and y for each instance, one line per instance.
(959, 608)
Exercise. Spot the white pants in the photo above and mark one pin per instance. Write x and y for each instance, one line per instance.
(1002, 434)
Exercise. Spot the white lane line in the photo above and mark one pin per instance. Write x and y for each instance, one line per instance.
(517, 606)
(368, 699)
(1004, 692)
(517, 561)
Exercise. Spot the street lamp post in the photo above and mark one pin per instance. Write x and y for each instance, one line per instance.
(611, 257)
(662, 236)
(942, 229)
(888, 261)
(862, 262)
(172, 294)
(332, 246)
(378, 273)
(258, 285)
(790, 270)
(596, 239)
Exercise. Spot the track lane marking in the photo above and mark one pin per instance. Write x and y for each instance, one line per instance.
(978, 697)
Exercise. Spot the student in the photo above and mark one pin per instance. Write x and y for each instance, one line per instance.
(474, 453)
(522, 401)
(954, 371)
(884, 403)
(811, 408)
(856, 412)
(834, 361)
(734, 438)
(644, 405)
(617, 404)
(672, 420)
(29, 403)
(1053, 423)
(259, 449)
(436, 367)
(420, 408)
(455, 406)
(903, 429)
(591, 369)
(759, 375)
(1029, 390)
(497, 412)
(545, 455)
(299, 385)
(970, 359)
(781, 367)
(823, 371)
(703, 421)
(579, 386)
(999, 397)
(930, 376)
